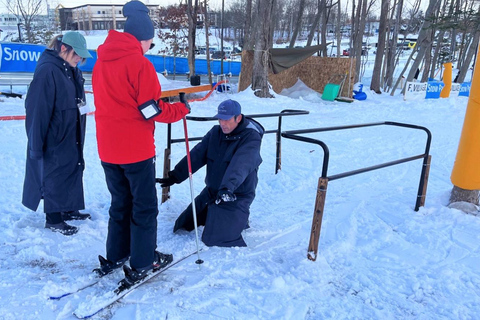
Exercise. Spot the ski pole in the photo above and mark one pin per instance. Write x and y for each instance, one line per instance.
(190, 178)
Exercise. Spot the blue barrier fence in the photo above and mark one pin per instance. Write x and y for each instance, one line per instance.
(15, 57)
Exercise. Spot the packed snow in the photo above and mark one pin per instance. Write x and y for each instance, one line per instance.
(377, 258)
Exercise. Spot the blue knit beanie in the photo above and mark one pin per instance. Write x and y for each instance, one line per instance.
(138, 21)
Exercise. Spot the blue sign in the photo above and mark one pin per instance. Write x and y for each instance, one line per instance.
(15, 57)
(465, 89)
(433, 89)
(19, 57)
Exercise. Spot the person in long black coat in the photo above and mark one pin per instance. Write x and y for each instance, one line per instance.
(231, 152)
(55, 125)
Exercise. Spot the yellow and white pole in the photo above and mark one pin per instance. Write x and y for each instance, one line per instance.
(466, 170)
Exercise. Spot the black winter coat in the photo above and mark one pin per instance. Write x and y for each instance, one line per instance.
(56, 134)
(232, 162)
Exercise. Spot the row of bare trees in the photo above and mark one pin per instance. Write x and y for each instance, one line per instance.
(447, 31)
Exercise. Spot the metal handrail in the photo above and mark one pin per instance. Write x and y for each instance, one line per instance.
(324, 179)
(293, 134)
(278, 131)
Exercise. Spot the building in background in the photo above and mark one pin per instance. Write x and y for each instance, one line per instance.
(8, 20)
(96, 16)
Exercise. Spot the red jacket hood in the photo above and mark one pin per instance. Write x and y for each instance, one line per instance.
(118, 45)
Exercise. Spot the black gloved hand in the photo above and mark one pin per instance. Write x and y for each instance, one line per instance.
(167, 182)
(185, 101)
(225, 195)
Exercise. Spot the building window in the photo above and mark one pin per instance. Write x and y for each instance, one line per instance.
(98, 12)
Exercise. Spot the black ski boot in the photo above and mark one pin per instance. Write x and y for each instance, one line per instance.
(106, 266)
(161, 260)
(75, 215)
(133, 276)
(62, 228)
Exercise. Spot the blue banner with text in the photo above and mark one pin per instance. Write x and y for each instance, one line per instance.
(19, 57)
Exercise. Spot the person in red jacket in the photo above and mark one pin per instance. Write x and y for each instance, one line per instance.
(127, 92)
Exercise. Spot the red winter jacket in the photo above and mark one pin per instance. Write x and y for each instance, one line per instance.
(122, 80)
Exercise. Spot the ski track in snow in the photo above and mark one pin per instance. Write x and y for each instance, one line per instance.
(377, 258)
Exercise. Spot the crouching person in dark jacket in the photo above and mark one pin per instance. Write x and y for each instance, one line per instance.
(231, 152)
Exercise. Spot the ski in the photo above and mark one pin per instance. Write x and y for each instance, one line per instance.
(69, 293)
(88, 309)
(96, 279)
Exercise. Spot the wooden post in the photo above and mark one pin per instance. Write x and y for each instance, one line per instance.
(166, 168)
(317, 218)
(421, 202)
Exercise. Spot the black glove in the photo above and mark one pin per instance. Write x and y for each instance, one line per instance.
(184, 101)
(167, 182)
(225, 195)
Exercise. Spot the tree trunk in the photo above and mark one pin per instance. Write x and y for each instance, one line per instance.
(382, 35)
(338, 33)
(262, 45)
(192, 30)
(458, 194)
(468, 58)
(298, 24)
(423, 39)
(357, 42)
(248, 39)
(316, 20)
(207, 42)
(393, 54)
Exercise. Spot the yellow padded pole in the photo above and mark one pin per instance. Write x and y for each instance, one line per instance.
(447, 80)
(466, 169)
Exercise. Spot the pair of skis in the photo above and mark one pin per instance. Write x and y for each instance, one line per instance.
(88, 309)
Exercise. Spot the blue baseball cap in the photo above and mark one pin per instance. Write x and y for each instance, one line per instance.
(228, 109)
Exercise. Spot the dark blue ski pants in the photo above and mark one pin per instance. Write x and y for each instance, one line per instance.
(132, 227)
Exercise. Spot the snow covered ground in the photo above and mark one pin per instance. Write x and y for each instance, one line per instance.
(378, 258)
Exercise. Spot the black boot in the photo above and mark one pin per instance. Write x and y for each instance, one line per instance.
(161, 260)
(133, 276)
(75, 215)
(107, 266)
(62, 228)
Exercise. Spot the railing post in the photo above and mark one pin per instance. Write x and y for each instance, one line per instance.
(422, 187)
(166, 162)
(278, 153)
(317, 218)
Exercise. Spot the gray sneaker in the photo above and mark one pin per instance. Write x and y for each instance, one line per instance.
(62, 228)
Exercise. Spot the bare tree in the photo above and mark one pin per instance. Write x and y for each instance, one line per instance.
(393, 54)
(192, 10)
(382, 36)
(247, 37)
(264, 41)
(423, 41)
(316, 20)
(207, 41)
(26, 11)
(298, 22)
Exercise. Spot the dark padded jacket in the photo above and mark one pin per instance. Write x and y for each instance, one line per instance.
(232, 162)
(56, 134)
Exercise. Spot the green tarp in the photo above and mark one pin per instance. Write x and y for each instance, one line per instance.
(282, 59)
